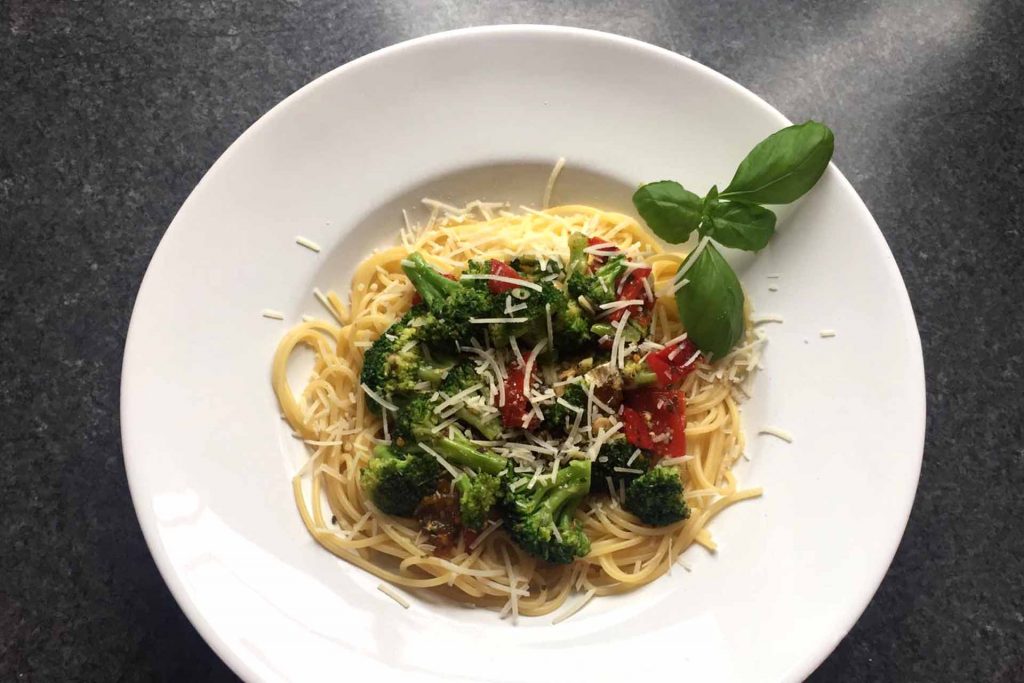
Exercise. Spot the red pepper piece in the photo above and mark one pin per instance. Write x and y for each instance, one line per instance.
(673, 363)
(596, 260)
(504, 270)
(649, 414)
(633, 288)
(516, 406)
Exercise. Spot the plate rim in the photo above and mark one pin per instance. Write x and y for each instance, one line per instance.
(241, 666)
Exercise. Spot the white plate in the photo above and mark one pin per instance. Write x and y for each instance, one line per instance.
(483, 113)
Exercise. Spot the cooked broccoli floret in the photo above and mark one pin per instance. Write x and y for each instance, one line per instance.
(637, 374)
(414, 422)
(540, 520)
(657, 497)
(476, 267)
(451, 304)
(617, 453)
(598, 287)
(396, 480)
(572, 329)
(535, 327)
(395, 364)
(557, 417)
(531, 268)
(632, 333)
(477, 497)
(460, 378)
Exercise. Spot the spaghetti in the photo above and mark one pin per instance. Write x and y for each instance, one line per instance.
(332, 416)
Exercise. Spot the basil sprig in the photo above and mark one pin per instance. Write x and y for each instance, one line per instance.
(779, 170)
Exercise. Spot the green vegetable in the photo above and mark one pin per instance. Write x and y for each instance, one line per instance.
(393, 370)
(779, 170)
(572, 328)
(740, 226)
(397, 480)
(540, 520)
(711, 305)
(535, 328)
(782, 167)
(558, 418)
(477, 497)
(617, 453)
(459, 451)
(632, 333)
(415, 421)
(671, 211)
(415, 424)
(460, 378)
(657, 497)
(598, 288)
(530, 267)
(451, 304)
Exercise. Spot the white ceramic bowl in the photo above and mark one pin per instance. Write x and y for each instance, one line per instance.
(483, 113)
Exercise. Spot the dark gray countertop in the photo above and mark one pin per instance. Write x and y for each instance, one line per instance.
(111, 112)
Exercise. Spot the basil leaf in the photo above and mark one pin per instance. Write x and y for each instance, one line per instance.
(783, 166)
(669, 209)
(711, 303)
(706, 207)
(740, 226)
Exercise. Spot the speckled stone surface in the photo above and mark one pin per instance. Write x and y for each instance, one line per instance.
(111, 112)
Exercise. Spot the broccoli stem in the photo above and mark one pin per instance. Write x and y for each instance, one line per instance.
(572, 481)
(432, 285)
(431, 373)
(562, 496)
(644, 378)
(638, 375)
(488, 425)
(462, 484)
(610, 272)
(577, 254)
(632, 333)
(461, 452)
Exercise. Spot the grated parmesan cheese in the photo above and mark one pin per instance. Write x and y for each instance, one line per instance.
(377, 397)
(676, 286)
(393, 594)
(307, 243)
(444, 463)
(531, 360)
(559, 165)
(501, 278)
(486, 532)
(691, 259)
(458, 398)
(777, 432)
(614, 305)
(514, 343)
(487, 321)
(617, 343)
